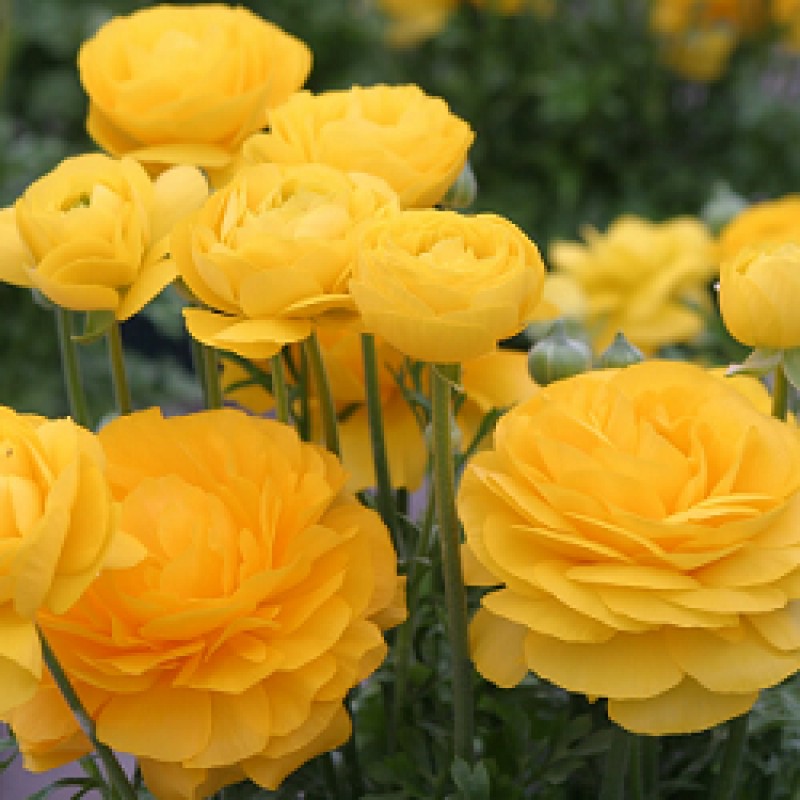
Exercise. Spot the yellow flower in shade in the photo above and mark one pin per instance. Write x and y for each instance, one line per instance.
(542, 8)
(93, 234)
(410, 139)
(187, 85)
(57, 526)
(639, 278)
(446, 287)
(228, 651)
(786, 15)
(770, 222)
(644, 527)
(758, 293)
(272, 252)
(413, 21)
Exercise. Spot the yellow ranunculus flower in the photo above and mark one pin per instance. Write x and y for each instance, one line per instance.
(228, 651)
(786, 15)
(410, 139)
(769, 222)
(93, 234)
(187, 85)
(446, 287)
(413, 21)
(637, 278)
(57, 526)
(644, 527)
(758, 293)
(272, 252)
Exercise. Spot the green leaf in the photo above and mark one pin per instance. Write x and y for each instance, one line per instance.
(95, 325)
(791, 366)
(761, 361)
(473, 783)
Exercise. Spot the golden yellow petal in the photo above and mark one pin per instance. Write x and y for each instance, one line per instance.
(496, 646)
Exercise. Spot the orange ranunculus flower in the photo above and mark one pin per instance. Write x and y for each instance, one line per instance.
(410, 139)
(272, 252)
(446, 287)
(758, 293)
(227, 652)
(770, 222)
(57, 528)
(644, 526)
(93, 234)
(187, 85)
(637, 278)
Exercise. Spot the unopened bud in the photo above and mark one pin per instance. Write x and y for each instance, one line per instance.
(558, 356)
(620, 353)
(463, 192)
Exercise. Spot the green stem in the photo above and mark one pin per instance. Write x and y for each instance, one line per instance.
(725, 785)
(279, 390)
(650, 747)
(386, 501)
(780, 394)
(114, 772)
(636, 772)
(319, 376)
(612, 786)
(78, 409)
(209, 374)
(442, 376)
(119, 377)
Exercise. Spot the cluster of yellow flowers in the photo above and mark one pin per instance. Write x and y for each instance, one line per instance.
(210, 584)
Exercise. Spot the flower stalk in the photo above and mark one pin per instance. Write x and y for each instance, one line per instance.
(616, 765)
(443, 376)
(780, 394)
(209, 376)
(78, 408)
(725, 785)
(319, 377)
(119, 376)
(279, 390)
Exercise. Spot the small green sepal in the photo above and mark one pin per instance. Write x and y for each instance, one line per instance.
(96, 324)
(760, 362)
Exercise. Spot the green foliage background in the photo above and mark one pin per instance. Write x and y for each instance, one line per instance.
(577, 122)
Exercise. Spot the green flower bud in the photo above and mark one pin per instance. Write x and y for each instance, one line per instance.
(558, 356)
(464, 190)
(620, 353)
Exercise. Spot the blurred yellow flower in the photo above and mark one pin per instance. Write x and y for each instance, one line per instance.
(272, 252)
(644, 525)
(769, 222)
(758, 294)
(413, 21)
(786, 15)
(93, 234)
(57, 528)
(446, 287)
(410, 139)
(187, 85)
(637, 278)
(228, 651)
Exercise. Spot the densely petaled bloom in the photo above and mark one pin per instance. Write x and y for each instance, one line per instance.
(758, 294)
(446, 287)
(93, 234)
(497, 380)
(57, 525)
(644, 527)
(410, 139)
(227, 652)
(770, 222)
(272, 252)
(187, 85)
(639, 278)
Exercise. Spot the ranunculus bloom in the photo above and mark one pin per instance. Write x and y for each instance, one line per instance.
(758, 294)
(445, 287)
(187, 85)
(413, 21)
(57, 525)
(227, 652)
(93, 234)
(637, 278)
(644, 528)
(770, 222)
(272, 252)
(410, 139)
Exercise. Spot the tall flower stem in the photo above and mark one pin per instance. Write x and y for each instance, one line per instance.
(319, 376)
(279, 390)
(615, 769)
(114, 772)
(209, 375)
(725, 785)
(119, 376)
(442, 378)
(78, 408)
(386, 501)
(780, 394)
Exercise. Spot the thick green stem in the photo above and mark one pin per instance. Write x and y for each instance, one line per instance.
(209, 374)
(386, 501)
(319, 376)
(780, 394)
(78, 409)
(119, 376)
(725, 785)
(442, 376)
(114, 772)
(279, 390)
(612, 786)
(636, 771)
